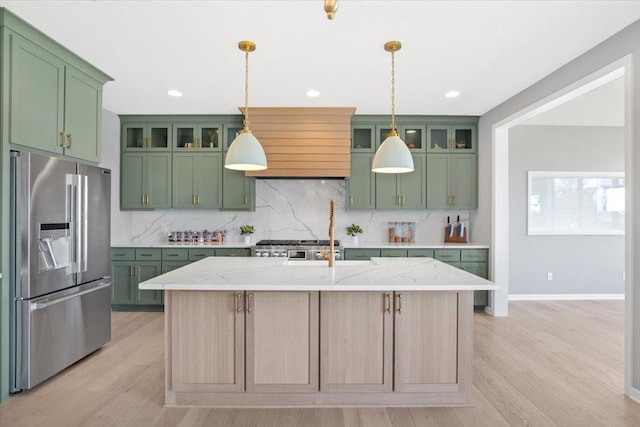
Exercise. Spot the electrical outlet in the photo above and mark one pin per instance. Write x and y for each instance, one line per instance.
(549, 276)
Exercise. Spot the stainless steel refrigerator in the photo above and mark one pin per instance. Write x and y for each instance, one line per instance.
(61, 284)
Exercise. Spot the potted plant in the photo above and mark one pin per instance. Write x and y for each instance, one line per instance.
(246, 231)
(353, 230)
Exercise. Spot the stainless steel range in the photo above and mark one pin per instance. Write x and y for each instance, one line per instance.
(296, 249)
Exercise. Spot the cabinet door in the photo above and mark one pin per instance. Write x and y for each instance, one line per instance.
(360, 254)
(438, 138)
(36, 96)
(168, 266)
(413, 185)
(480, 298)
(282, 341)
(393, 253)
(209, 181)
(133, 136)
(464, 139)
(363, 138)
(426, 341)
(146, 271)
(82, 113)
(387, 195)
(132, 179)
(464, 181)
(184, 136)
(158, 180)
(238, 190)
(438, 172)
(123, 289)
(184, 185)
(356, 342)
(208, 341)
(413, 136)
(362, 185)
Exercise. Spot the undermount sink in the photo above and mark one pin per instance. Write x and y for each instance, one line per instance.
(324, 263)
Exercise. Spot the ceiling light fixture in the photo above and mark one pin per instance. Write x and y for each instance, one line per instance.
(312, 93)
(393, 155)
(452, 94)
(331, 7)
(174, 92)
(245, 152)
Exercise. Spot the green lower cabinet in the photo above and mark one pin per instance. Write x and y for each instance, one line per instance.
(420, 253)
(148, 270)
(398, 253)
(356, 254)
(237, 252)
(196, 254)
(168, 266)
(123, 278)
(480, 298)
(126, 276)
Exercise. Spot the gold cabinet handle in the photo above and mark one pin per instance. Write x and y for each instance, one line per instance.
(351, 200)
(69, 140)
(246, 200)
(402, 200)
(198, 199)
(147, 196)
(399, 303)
(62, 139)
(238, 307)
(249, 303)
(387, 303)
(193, 199)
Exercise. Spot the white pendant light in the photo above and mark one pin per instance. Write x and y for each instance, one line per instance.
(245, 152)
(393, 155)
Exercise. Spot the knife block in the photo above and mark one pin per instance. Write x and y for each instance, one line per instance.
(456, 238)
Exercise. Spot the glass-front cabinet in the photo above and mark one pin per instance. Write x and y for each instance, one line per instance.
(413, 136)
(451, 138)
(199, 137)
(363, 138)
(145, 136)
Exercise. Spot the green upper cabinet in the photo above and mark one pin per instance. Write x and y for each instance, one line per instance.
(361, 184)
(145, 181)
(198, 137)
(404, 190)
(197, 180)
(363, 138)
(452, 181)
(229, 133)
(451, 138)
(146, 137)
(414, 136)
(54, 106)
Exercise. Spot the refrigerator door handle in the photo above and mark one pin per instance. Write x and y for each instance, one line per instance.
(41, 305)
(72, 218)
(82, 222)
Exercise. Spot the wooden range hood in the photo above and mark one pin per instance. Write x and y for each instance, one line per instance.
(303, 142)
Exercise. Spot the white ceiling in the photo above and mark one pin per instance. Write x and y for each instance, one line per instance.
(487, 50)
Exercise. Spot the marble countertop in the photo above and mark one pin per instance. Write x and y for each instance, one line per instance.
(277, 274)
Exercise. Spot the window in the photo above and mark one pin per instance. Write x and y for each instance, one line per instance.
(575, 203)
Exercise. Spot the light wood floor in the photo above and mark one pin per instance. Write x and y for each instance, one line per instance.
(549, 363)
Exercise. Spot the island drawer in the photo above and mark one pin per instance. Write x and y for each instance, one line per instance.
(241, 252)
(361, 254)
(447, 255)
(197, 254)
(479, 255)
(423, 253)
(123, 254)
(148, 254)
(393, 252)
(175, 254)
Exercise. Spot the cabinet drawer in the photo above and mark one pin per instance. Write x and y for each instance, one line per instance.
(242, 252)
(420, 253)
(479, 255)
(123, 254)
(199, 253)
(175, 254)
(361, 254)
(447, 255)
(393, 252)
(148, 254)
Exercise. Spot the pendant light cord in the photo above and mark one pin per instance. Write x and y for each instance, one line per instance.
(246, 91)
(393, 92)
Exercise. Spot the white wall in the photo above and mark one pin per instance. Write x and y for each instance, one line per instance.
(612, 50)
(285, 209)
(580, 264)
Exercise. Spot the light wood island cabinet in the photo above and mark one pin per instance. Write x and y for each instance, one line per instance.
(255, 332)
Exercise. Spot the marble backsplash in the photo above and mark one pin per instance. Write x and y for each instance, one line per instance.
(285, 209)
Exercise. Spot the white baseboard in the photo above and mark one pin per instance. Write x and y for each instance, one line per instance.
(547, 297)
(634, 394)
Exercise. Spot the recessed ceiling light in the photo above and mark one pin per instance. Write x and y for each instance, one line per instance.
(312, 93)
(452, 94)
(174, 92)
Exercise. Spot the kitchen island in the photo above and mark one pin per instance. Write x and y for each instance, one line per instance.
(271, 332)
